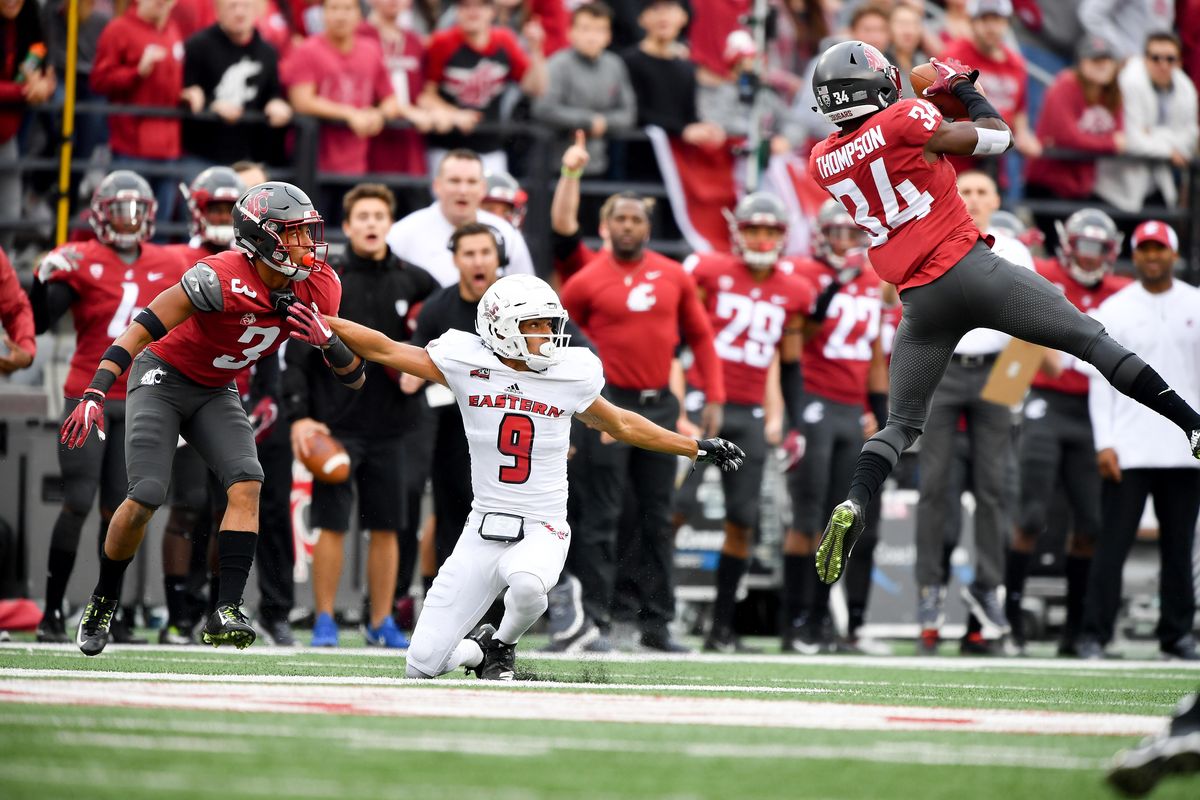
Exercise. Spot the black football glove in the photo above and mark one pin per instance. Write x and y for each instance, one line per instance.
(726, 455)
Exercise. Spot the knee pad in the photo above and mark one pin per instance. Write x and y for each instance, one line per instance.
(1119, 366)
(412, 672)
(149, 492)
(893, 440)
(526, 593)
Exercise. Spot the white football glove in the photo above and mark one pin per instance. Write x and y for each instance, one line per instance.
(64, 259)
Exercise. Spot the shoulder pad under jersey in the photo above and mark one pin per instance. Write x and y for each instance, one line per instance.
(203, 288)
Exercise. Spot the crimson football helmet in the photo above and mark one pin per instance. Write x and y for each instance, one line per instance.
(837, 236)
(853, 79)
(123, 209)
(215, 185)
(262, 218)
(504, 191)
(1088, 245)
(760, 209)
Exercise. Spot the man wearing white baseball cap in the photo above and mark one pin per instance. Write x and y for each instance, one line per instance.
(1159, 318)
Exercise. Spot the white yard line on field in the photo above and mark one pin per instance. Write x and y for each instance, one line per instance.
(1132, 666)
(373, 697)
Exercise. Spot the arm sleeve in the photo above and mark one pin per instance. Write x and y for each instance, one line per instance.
(699, 336)
(298, 366)
(193, 74)
(49, 302)
(518, 59)
(109, 75)
(384, 88)
(435, 58)
(15, 310)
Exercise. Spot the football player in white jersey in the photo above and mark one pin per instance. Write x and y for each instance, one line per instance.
(518, 385)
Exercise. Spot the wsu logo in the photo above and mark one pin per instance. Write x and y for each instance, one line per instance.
(257, 204)
(641, 297)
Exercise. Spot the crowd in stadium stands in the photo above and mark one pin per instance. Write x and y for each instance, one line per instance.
(1102, 103)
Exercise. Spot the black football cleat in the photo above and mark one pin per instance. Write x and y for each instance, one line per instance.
(1175, 751)
(499, 661)
(228, 625)
(1194, 442)
(481, 636)
(53, 628)
(94, 625)
(846, 524)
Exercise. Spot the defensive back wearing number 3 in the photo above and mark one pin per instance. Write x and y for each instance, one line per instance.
(518, 385)
(190, 343)
(886, 164)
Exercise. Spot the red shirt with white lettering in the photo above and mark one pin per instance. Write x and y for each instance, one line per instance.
(748, 317)
(110, 293)
(1086, 299)
(633, 313)
(211, 347)
(918, 225)
(837, 359)
(358, 78)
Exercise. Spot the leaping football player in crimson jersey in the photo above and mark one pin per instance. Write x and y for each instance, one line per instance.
(757, 306)
(887, 165)
(518, 386)
(104, 283)
(190, 342)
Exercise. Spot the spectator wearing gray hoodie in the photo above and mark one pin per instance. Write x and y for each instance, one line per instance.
(589, 87)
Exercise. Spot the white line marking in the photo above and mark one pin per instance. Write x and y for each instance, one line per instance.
(422, 700)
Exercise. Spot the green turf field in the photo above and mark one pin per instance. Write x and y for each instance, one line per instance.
(196, 722)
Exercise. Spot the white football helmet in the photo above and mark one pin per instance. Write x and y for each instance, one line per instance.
(512, 300)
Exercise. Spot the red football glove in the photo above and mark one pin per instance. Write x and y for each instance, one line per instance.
(262, 418)
(89, 413)
(950, 72)
(311, 326)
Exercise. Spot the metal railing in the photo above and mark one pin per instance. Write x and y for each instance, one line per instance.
(538, 176)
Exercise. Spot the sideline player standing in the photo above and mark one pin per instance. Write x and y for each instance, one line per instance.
(889, 151)
(226, 314)
(757, 306)
(518, 386)
(103, 283)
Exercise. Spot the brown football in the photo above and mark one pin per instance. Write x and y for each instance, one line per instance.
(327, 460)
(922, 77)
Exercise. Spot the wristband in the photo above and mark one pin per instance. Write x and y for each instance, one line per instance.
(337, 355)
(352, 377)
(150, 321)
(567, 172)
(102, 381)
(119, 356)
(977, 105)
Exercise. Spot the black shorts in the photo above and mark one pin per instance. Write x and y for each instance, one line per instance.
(162, 406)
(377, 469)
(744, 425)
(98, 465)
(833, 437)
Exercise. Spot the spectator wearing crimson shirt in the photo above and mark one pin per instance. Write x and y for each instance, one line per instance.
(1002, 72)
(399, 150)
(16, 315)
(139, 61)
(341, 77)
(632, 304)
(1082, 112)
(468, 68)
(20, 83)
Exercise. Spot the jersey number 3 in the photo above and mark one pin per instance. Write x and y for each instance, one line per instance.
(516, 440)
(266, 337)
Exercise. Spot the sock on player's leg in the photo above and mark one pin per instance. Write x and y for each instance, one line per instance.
(730, 570)
(112, 574)
(1016, 570)
(1077, 569)
(235, 554)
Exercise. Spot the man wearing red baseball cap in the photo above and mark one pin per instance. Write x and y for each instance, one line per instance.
(1159, 318)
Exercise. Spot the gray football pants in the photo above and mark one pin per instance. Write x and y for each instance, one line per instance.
(983, 291)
